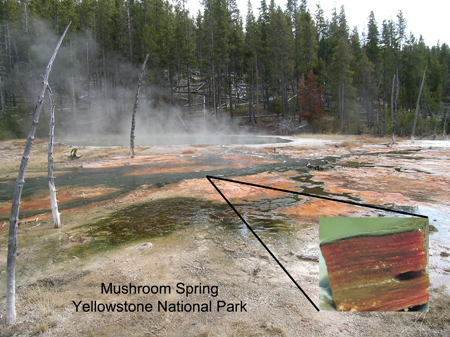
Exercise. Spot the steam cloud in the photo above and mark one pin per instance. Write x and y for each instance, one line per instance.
(95, 92)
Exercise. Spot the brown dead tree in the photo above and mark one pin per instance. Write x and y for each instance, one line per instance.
(133, 118)
(13, 221)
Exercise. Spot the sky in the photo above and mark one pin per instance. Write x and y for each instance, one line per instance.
(429, 18)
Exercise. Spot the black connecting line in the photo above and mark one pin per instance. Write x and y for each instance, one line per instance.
(298, 193)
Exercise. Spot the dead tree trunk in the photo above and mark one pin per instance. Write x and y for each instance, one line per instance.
(129, 31)
(230, 84)
(133, 118)
(397, 92)
(211, 48)
(257, 92)
(417, 107)
(341, 106)
(219, 91)
(2, 103)
(189, 86)
(13, 222)
(392, 113)
(444, 132)
(105, 84)
(51, 182)
(26, 17)
(88, 74)
(214, 89)
(250, 89)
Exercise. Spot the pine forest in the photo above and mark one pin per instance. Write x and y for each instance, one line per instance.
(292, 66)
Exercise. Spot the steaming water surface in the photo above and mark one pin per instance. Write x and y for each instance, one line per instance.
(177, 139)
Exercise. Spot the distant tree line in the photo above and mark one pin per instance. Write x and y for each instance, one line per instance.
(291, 63)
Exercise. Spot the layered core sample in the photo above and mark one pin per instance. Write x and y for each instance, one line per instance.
(378, 264)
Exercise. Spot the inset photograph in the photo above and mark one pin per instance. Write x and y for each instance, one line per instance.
(373, 264)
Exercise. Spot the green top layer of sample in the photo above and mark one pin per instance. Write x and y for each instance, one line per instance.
(334, 229)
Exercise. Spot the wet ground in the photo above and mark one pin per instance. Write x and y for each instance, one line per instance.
(155, 219)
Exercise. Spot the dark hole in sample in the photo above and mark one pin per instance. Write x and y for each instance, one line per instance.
(409, 275)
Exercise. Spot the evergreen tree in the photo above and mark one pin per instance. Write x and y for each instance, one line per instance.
(372, 43)
(363, 78)
(322, 34)
(270, 59)
(401, 29)
(281, 42)
(306, 43)
(342, 90)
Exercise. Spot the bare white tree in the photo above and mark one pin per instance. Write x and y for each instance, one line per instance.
(51, 182)
(417, 107)
(13, 221)
(393, 112)
(444, 131)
